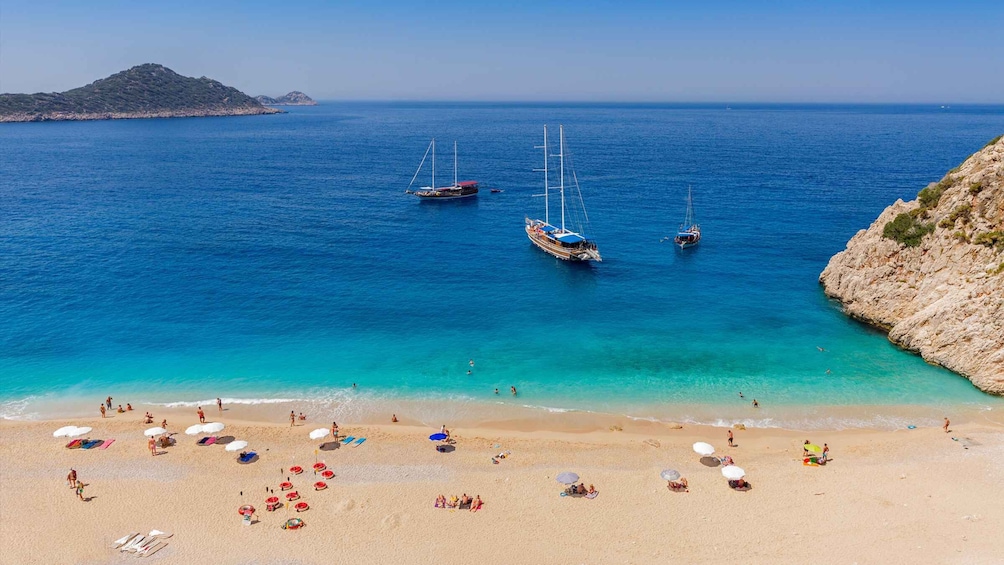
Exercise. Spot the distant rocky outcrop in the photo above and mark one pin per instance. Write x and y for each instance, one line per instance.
(144, 91)
(295, 98)
(931, 271)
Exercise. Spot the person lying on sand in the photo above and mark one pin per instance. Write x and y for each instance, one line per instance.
(740, 484)
(465, 501)
(454, 502)
(476, 505)
(440, 501)
(679, 485)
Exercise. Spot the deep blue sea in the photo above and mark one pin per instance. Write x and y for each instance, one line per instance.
(277, 257)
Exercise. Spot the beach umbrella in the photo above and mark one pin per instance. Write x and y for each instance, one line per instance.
(567, 478)
(319, 433)
(213, 428)
(812, 447)
(437, 437)
(236, 445)
(78, 432)
(64, 431)
(670, 475)
(733, 473)
(154, 432)
(703, 449)
(194, 430)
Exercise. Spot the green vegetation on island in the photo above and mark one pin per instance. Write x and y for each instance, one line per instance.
(144, 91)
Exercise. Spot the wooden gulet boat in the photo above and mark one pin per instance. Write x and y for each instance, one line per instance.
(689, 233)
(462, 189)
(558, 241)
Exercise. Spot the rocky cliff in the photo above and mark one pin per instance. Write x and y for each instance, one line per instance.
(144, 91)
(295, 98)
(931, 271)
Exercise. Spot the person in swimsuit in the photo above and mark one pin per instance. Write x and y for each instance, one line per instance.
(219, 404)
(108, 401)
(512, 389)
(334, 430)
(202, 416)
(947, 423)
(393, 417)
(755, 404)
(71, 479)
(476, 505)
(80, 490)
(496, 391)
(128, 407)
(292, 418)
(102, 408)
(121, 410)
(730, 439)
(163, 424)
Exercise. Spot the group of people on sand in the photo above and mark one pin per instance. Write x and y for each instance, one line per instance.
(107, 405)
(581, 490)
(463, 503)
(76, 484)
(293, 418)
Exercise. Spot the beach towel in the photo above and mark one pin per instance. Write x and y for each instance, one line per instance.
(92, 443)
(348, 440)
(248, 457)
(593, 494)
(74, 444)
(359, 442)
(207, 441)
(106, 444)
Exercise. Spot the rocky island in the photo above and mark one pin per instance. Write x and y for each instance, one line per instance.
(144, 91)
(295, 98)
(931, 271)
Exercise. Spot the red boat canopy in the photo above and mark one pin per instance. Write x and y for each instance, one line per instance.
(468, 183)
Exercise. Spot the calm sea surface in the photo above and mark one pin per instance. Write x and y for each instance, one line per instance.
(276, 257)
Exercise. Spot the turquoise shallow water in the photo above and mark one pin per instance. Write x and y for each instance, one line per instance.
(277, 257)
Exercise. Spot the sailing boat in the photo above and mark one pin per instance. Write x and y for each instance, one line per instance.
(559, 241)
(689, 234)
(456, 190)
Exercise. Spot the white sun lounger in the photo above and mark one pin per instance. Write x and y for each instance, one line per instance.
(154, 549)
(123, 540)
(146, 549)
(133, 544)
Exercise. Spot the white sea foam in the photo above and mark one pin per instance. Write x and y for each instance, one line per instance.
(212, 402)
(18, 409)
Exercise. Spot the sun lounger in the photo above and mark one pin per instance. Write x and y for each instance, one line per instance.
(123, 540)
(248, 457)
(133, 544)
(154, 549)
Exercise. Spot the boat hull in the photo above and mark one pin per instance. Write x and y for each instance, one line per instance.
(431, 197)
(564, 253)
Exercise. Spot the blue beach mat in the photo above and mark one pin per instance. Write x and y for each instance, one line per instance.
(348, 440)
(359, 441)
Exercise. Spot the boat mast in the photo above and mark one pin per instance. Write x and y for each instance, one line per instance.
(455, 162)
(547, 220)
(689, 220)
(433, 163)
(561, 154)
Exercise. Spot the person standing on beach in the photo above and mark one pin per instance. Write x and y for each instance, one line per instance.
(202, 416)
(163, 424)
(292, 418)
(102, 408)
(219, 405)
(80, 490)
(151, 444)
(71, 479)
(947, 423)
(730, 439)
(108, 401)
(334, 430)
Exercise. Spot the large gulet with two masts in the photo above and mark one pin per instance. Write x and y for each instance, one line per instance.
(558, 240)
(462, 189)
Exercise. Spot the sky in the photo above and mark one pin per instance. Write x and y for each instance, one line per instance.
(813, 51)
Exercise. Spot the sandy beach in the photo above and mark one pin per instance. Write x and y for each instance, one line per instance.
(906, 496)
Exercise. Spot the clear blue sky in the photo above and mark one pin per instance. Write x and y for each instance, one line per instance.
(722, 51)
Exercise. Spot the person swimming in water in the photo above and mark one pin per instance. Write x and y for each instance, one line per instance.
(513, 390)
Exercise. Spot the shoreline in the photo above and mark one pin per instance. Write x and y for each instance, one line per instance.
(363, 409)
(92, 116)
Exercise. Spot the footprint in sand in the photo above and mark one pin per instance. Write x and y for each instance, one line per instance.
(392, 521)
(347, 505)
(652, 442)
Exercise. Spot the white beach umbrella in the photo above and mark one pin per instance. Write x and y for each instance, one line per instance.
(213, 428)
(154, 432)
(64, 431)
(236, 445)
(319, 433)
(670, 474)
(733, 473)
(194, 430)
(79, 432)
(567, 478)
(703, 449)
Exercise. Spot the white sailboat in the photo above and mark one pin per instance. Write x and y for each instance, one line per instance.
(559, 241)
(463, 189)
